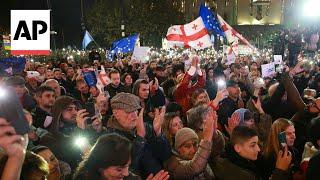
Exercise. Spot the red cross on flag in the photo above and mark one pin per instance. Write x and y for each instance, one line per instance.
(232, 36)
(103, 79)
(193, 35)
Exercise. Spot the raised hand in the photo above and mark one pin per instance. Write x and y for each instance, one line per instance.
(257, 105)
(141, 130)
(233, 122)
(12, 143)
(158, 120)
(284, 159)
(210, 125)
(195, 61)
(161, 175)
(221, 95)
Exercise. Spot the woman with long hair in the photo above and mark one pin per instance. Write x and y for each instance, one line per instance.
(172, 123)
(273, 145)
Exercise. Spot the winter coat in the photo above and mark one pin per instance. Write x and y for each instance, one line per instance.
(40, 133)
(197, 168)
(63, 148)
(115, 90)
(268, 164)
(39, 117)
(28, 102)
(313, 167)
(148, 153)
(233, 166)
(182, 94)
(218, 144)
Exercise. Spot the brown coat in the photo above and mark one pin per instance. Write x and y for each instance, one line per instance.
(197, 168)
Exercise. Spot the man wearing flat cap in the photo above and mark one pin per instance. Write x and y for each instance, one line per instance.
(150, 147)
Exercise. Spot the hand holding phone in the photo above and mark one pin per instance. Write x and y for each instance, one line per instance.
(282, 139)
(90, 109)
(221, 84)
(11, 110)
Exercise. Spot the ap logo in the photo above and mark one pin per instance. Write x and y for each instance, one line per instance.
(30, 32)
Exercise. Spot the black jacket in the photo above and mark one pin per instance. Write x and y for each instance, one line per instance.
(313, 167)
(148, 153)
(233, 166)
(115, 90)
(39, 116)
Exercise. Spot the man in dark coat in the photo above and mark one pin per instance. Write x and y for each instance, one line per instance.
(150, 147)
(241, 158)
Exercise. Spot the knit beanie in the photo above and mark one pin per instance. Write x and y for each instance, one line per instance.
(183, 135)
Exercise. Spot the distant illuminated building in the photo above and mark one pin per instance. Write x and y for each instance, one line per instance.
(259, 12)
(190, 8)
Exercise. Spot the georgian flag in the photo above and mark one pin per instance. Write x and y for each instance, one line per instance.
(193, 35)
(232, 36)
(103, 79)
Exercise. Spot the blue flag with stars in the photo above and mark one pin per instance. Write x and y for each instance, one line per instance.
(210, 21)
(124, 45)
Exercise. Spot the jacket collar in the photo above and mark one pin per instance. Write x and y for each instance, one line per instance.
(114, 124)
(236, 159)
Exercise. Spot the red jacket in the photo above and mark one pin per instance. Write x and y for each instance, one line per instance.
(183, 92)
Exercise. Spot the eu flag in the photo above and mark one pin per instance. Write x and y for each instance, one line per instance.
(90, 77)
(86, 40)
(124, 45)
(210, 21)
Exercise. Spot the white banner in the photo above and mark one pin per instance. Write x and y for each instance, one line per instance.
(141, 54)
(268, 70)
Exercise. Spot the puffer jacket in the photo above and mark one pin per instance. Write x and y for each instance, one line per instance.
(195, 169)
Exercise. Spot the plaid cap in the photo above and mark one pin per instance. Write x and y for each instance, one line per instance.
(126, 101)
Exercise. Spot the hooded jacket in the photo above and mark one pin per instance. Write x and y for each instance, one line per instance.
(59, 106)
(59, 143)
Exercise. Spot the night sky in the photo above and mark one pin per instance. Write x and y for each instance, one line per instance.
(66, 17)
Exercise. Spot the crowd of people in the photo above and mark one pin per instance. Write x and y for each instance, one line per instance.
(174, 118)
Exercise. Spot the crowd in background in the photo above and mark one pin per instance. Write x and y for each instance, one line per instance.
(168, 118)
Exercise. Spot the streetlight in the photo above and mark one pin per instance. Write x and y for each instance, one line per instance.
(310, 8)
